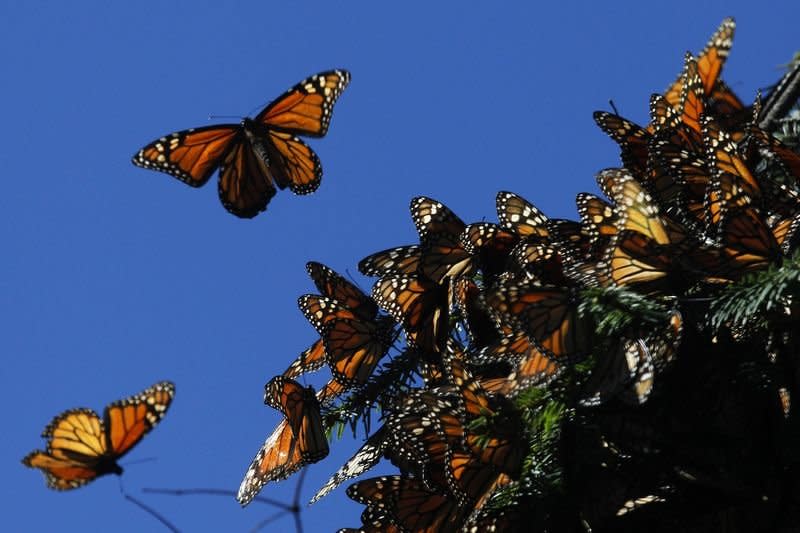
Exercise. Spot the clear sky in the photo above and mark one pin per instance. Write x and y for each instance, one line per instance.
(113, 277)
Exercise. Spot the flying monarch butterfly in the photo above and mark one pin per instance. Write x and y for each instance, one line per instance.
(298, 440)
(260, 153)
(709, 62)
(443, 255)
(81, 446)
(402, 260)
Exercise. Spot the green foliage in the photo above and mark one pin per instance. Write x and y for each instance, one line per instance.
(617, 310)
(381, 390)
(758, 299)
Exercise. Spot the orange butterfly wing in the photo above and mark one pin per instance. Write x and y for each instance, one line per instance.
(192, 155)
(128, 420)
(306, 108)
(76, 447)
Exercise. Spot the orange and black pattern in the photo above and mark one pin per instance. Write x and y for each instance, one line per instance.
(258, 156)
(473, 340)
(81, 446)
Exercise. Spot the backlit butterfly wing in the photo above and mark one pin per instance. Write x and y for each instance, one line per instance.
(631, 138)
(548, 315)
(82, 447)
(365, 458)
(411, 505)
(709, 62)
(726, 164)
(128, 420)
(420, 305)
(76, 452)
(319, 310)
(491, 245)
(354, 347)
(501, 444)
(443, 255)
(298, 440)
(333, 285)
(520, 216)
(191, 155)
(692, 102)
(306, 108)
(401, 260)
(311, 359)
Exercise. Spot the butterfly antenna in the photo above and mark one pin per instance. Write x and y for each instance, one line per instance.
(138, 461)
(217, 117)
(614, 107)
(146, 508)
(217, 492)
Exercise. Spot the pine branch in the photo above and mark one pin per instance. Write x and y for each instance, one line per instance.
(759, 296)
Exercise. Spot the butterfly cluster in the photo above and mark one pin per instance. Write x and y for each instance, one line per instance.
(533, 372)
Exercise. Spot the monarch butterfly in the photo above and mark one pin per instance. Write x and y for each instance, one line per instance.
(81, 446)
(548, 315)
(732, 184)
(490, 245)
(644, 251)
(420, 305)
(476, 320)
(443, 255)
(411, 505)
(402, 260)
(691, 105)
(709, 62)
(298, 440)
(520, 216)
(598, 218)
(499, 445)
(260, 153)
(468, 478)
(632, 139)
(365, 458)
(334, 286)
(342, 299)
(353, 347)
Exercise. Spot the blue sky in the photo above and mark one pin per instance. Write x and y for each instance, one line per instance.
(114, 277)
